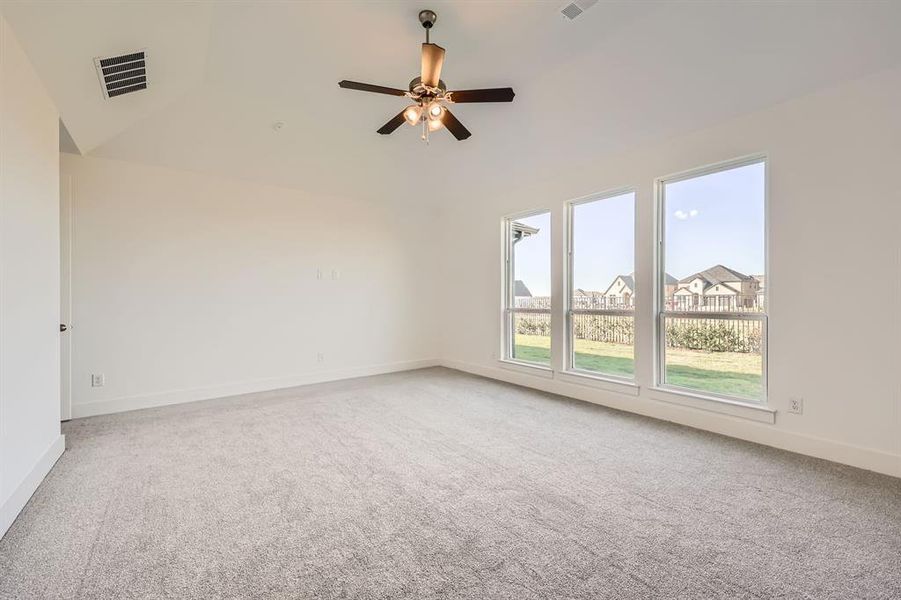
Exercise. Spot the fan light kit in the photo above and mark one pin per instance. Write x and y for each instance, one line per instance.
(429, 93)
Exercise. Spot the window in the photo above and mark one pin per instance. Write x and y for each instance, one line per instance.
(601, 313)
(527, 289)
(711, 320)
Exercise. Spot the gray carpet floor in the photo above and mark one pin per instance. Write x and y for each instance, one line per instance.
(437, 484)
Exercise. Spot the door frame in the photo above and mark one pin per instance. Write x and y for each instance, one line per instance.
(66, 231)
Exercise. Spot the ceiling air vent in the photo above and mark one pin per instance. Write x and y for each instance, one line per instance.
(574, 9)
(122, 74)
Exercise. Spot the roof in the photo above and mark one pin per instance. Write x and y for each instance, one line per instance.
(628, 280)
(521, 230)
(717, 274)
(725, 285)
(520, 290)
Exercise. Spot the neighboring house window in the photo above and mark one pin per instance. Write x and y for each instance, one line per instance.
(601, 251)
(527, 289)
(714, 216)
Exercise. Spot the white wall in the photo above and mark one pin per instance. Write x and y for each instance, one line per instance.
(835, 218)
(30, 440)
(189, 286)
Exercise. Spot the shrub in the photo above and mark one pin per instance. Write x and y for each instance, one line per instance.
(528, 325)
(718, 336)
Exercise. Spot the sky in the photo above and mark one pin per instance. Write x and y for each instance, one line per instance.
(532, 256)
(709, 220)
(716, 219)
(603, 241)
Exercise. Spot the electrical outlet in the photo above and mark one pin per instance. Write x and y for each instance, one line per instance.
(796, 405)
(97, 380)
(320, 357)
(336, 274)
(318, 273)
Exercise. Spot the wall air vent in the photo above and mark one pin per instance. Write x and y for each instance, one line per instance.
(122, 74)
(574, 9)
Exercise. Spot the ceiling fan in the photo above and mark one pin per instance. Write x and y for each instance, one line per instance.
(429, 93)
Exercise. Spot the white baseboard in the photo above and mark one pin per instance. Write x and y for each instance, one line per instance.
(17, 500)
(180, 396)
(760, 433)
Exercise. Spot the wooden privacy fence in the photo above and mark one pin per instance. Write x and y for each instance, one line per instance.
(597, 328)
(616, 329)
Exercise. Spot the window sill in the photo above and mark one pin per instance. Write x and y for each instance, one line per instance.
(528, 368)
(735, 408)
(600, 382)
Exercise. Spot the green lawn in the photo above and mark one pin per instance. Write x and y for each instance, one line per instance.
(729, 373)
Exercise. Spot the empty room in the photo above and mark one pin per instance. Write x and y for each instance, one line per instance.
(461, 299)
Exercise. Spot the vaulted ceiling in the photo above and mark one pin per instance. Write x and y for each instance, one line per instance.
(621, 74)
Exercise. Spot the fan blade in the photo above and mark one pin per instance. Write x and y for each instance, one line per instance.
(490, 95)
(368, 87)
(453, 125)
(393, 124)
(432, 60)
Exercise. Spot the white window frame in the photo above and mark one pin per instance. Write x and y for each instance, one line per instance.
(659, 296)
(508, 302)
(569, 287)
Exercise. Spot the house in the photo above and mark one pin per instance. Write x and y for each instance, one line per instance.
(521, 231)
(621, 292)
(588, 299)
(761, 290)
(716, 288)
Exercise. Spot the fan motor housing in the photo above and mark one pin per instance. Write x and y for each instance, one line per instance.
(417, 89)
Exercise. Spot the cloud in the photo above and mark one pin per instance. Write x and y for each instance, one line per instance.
(683, 215)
